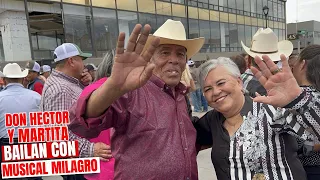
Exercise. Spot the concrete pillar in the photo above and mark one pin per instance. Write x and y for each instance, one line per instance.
(15, 36)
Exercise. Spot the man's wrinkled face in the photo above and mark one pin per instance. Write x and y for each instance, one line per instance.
(170, 61)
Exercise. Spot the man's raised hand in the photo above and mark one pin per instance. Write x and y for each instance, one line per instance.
(131, 69)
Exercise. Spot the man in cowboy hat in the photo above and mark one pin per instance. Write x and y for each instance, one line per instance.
(264, 42)
(143, 100)
(15, 99)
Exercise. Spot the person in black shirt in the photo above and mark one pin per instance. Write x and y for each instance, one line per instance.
(255, 138)
(306, 70)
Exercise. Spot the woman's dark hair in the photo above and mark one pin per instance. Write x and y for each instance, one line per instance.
(311, 55)
(240, 62)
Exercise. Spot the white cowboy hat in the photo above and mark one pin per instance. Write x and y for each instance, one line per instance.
(265, 42)
(173, 32)
(13, 70)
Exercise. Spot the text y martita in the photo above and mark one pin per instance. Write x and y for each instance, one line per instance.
(39, 127)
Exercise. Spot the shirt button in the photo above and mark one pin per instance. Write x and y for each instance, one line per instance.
(180, 122)
(188, 178)
(185, 149)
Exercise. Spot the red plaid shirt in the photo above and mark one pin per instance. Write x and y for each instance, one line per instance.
(60, 91)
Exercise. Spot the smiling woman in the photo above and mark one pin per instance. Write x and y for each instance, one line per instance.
(251, 140)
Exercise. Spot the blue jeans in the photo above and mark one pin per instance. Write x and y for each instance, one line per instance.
(199, 101)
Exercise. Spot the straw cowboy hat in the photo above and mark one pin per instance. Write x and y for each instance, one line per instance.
(265, 42)
(173, 32)
(13, 70)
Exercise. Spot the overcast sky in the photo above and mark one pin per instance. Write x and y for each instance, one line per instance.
(307, 10)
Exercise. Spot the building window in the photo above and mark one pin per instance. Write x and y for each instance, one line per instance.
(253, 6)
(214, 2)
(232, 4)
(163, 8)
(224, 17)
(148, 19)
(248, 34)
(259, 7)
(192, 3)
(275, 10)
(127, 5)
(104, 3)
(204, 14)
(178, 1)
(147, 6)
(127, 21)
(240, 4)
(205, 32)
(105, 31)
(78, 26)
(203, 4)
(215, 37)
(233, 36)
(193, 28)
(232, 18)
(82, 2)
(224, 30)
(222, 4)
(270, 5)
(46, 28)
(280, 11)
(247, 6)
(193, 12)
(214, 15)
(179, 10)
(241, 35)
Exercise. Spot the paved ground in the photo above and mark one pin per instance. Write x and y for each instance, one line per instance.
(205, 167)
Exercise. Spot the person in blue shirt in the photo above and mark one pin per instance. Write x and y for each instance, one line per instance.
(14, 98)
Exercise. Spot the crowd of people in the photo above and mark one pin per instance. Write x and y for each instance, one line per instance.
(134, 110)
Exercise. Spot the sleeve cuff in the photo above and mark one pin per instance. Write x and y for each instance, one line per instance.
(91, 150)
(85, 127)
(298, 102)
(80, 113)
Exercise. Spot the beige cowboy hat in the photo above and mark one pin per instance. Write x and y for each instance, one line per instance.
(265, 42)
(173, 32)
(13, 70)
